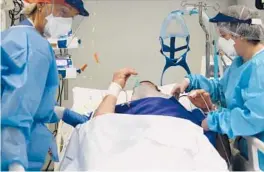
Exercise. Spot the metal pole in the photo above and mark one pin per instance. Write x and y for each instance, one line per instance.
(207, 38)
(66, 88)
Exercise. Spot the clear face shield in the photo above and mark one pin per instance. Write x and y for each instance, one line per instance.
(240, 22)
(59, 19)
(63, 23)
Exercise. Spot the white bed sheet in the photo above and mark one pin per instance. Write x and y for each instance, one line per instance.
(125, 142)
(86, 100)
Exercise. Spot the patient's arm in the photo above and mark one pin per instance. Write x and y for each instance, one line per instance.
(107, 105)
(118, 83)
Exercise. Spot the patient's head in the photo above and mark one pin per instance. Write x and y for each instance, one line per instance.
(146, 89)
(150, 84)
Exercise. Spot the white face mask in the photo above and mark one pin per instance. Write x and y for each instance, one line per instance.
(227, 46)
(57, 26)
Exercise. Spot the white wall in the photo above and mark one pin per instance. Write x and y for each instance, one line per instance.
(127, 34)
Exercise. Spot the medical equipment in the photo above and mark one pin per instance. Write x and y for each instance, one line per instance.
(201, 7)
(259, 4)
(66, 69)
(183, 34)
(96, 58)
(191, 8)
(137, 83)
(68, 41)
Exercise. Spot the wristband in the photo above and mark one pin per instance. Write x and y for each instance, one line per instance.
(114, 89)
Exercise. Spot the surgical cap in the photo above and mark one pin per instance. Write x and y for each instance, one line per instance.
(30, 5)
(248, 24)
(28, 8)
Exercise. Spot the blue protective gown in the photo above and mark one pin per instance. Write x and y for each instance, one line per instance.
(241, 93)
(29, 80)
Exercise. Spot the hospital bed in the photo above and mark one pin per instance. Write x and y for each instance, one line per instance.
(86, 100)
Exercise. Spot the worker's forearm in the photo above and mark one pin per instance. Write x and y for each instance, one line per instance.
(107, 105)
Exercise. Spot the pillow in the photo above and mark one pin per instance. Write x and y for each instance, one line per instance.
(86, 100)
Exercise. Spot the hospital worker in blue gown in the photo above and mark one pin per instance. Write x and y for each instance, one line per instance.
(241, 90)
(29, 80)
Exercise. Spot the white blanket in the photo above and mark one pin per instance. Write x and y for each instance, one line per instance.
(127, 142)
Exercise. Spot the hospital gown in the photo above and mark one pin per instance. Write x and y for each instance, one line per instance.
(29, 80)
(241, 94)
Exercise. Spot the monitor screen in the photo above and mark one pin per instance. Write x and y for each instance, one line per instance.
(61, 62)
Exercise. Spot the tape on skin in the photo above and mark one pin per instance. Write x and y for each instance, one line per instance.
(256, 21)
(114, 89)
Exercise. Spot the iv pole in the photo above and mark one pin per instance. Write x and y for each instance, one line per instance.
(203, 6)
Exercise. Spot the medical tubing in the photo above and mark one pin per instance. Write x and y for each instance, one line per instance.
(18, 7)
(222, 143)
(208, 109)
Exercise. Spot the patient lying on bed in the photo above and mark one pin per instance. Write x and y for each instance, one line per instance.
(159, 134)
(147, 99)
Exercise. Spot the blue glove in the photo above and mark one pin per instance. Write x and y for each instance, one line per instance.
(72, 118)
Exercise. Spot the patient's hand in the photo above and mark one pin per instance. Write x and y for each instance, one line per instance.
(120, 77)
(199, 97)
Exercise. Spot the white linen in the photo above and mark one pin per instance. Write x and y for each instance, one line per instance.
(127, 142)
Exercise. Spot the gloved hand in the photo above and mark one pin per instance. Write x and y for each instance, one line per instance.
(70, 117)
(201, 99)
(59, 111)
(180, 88)
(16, 167)
(205, 125)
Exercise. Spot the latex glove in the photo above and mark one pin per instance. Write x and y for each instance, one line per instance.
(70, 117)
(73, 118)
(205, 125)
(59, 111)
(201, 99)
(120, 77)
(16, 167)
(180, 88)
